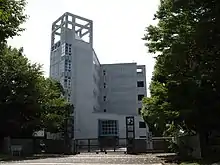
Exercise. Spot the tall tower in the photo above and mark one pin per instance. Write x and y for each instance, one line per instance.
(65, 30)
(74, 64)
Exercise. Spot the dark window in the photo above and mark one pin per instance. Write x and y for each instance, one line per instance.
(104, 98)
(139, 111)
(142, 124)
(140, 97)
(104, 85)
(104, 110)
(104, 72)
(140, 84)
(143, 137)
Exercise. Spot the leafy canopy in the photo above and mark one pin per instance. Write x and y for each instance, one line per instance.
(28, 101)
(185, 86)
(11, 17)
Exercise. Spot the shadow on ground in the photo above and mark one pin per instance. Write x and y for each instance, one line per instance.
(7, 158)
(175, 159)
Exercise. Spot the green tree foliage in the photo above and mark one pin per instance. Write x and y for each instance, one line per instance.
(18, 99)
(11, 17)
(185, 86)
(28, 101)
(55, 107)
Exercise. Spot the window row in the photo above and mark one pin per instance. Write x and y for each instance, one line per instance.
(104, 73)
(67, 83)
(140, 97)
(66, 49)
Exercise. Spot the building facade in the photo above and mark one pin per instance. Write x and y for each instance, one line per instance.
(102, 94)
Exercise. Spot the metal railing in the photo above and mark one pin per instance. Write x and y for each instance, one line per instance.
(97, 145)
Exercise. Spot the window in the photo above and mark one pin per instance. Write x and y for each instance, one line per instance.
(139, 111)
(65, 83)
(104, 85)
(142, 124)
(104, 110)
(139, 70)
(104, 72)
(142, 136)
(68, 99)
(108, 128)
(140, 97)
(104, 98)
(140, 84)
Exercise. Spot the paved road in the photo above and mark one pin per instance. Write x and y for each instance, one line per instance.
(93, 159)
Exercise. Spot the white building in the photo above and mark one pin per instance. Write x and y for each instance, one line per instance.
(102, 94)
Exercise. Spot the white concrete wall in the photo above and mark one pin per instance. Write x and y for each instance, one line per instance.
(91, 125)
(120, 88)
(83, 85)
(87, 76)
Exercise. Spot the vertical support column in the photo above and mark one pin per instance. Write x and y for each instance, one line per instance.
(52, 35)
(130, 134)
(88, 145)
(91, 34)
(74, 24)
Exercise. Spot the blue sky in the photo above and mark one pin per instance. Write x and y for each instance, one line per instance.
(118, 28)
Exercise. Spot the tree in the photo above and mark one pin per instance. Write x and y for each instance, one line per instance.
(11, 17)
(55, 108)
(28, 101)
(19, 109)
(186, 40)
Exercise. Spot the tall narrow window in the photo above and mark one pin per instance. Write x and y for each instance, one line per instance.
(140, 84)
(140, 97)
(142, 124)
(139, 111)
(104, 72)
(104, 98)
(104, 85)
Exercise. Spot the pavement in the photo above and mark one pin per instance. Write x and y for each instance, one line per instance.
(93, 159)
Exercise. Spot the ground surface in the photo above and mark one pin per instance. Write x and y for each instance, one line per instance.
(94, 159)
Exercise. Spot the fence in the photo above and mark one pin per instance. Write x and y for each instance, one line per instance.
(107, 144)
(101, 144)
(161, 144)
(35, 146)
